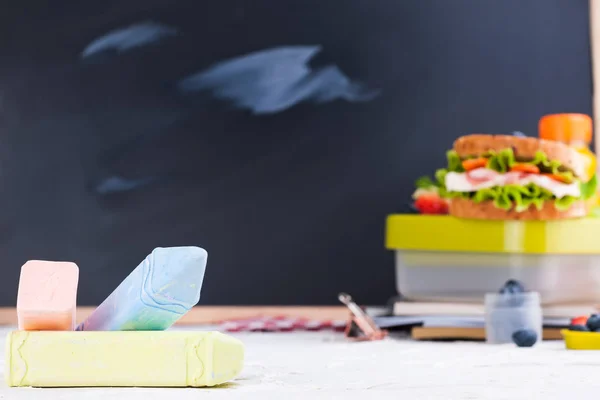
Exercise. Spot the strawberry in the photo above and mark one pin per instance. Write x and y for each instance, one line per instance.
(431, 204)
(579, 320)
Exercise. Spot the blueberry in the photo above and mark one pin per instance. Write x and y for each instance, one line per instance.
(512, 286)
(525, 337)
(593, 322)
(580, 328)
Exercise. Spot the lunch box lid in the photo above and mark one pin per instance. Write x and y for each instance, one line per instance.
(447, 233)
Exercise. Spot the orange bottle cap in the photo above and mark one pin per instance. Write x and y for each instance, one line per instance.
(566, 128)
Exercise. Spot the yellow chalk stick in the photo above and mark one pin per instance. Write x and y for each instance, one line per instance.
(121, 358)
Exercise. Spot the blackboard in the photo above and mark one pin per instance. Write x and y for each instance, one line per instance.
(276, 134)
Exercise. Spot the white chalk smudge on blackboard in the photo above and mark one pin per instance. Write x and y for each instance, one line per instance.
(125, 39)
(273, 80)
(117, 184)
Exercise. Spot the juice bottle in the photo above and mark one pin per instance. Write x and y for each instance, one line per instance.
(574, 130)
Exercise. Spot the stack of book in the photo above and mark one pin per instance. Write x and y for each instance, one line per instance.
(437, 320)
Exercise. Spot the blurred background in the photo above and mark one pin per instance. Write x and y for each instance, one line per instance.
(276, 134)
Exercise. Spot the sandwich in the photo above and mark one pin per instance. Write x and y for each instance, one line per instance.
(511, 177)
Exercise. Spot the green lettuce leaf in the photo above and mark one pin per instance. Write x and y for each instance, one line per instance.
(564, 203)
(454, 162)
(505, 159)
(440, 176)
(588, 189)
(519, 197)
(545, 165)
(502, 161)
(425, 182)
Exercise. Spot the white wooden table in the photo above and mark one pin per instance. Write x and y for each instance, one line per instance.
(322, 365)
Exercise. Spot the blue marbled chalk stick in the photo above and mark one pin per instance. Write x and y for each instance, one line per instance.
(164, 287)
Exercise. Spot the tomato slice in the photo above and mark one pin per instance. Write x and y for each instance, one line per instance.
(431, 204)
(558, 178)
(523, 167)
(474, 163)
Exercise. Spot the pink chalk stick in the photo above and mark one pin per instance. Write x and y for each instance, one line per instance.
(47, 296)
